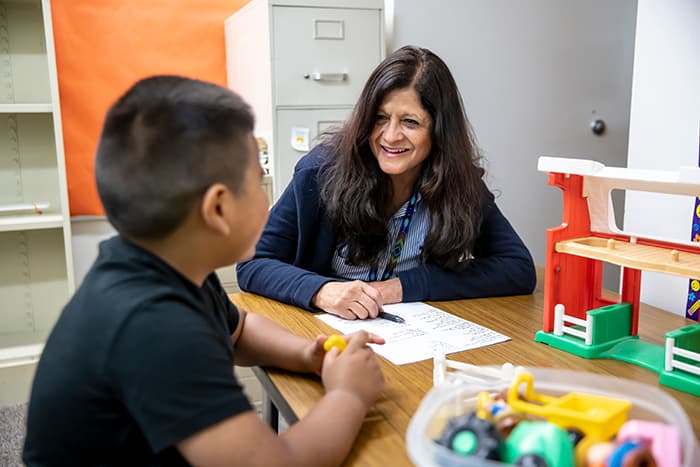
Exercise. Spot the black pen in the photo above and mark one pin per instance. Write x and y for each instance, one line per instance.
(390, 317)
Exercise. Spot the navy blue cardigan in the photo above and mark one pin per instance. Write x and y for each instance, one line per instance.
(293, 257)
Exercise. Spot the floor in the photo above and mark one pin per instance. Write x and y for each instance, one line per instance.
(12, 434)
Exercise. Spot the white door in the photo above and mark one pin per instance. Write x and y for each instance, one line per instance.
(533, 75)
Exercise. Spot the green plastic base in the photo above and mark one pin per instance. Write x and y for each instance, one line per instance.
(575, 346)
(682, 381)
(638, 352)
(627, 349)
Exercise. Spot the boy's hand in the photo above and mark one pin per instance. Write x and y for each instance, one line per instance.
(314, 353)
(355, 371)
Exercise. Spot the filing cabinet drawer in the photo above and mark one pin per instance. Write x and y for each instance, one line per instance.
(316, 122)
(323, 56)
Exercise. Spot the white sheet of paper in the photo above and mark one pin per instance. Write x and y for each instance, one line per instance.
(427, 330)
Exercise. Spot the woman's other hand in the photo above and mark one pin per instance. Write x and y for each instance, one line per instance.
(391, 290)
(349, 300)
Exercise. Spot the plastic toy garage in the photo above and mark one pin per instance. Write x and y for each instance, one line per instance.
(577, 319)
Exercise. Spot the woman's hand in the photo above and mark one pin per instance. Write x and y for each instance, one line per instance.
(349, 300)
(314, 353)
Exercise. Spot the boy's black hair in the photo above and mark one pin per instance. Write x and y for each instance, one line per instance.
(163, 144)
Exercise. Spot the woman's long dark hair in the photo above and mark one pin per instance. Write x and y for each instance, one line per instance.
(356, 192)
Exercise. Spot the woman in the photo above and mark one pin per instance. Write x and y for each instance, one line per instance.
(392, 207)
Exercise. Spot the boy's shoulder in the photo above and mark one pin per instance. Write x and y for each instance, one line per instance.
(124, 280)
(131, 300)
(124, 274)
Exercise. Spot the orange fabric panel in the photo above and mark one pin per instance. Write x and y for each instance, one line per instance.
(103, 46)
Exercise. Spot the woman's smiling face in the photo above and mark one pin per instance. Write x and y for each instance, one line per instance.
(400, 139)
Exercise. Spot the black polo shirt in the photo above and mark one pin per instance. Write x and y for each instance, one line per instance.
(140, 359)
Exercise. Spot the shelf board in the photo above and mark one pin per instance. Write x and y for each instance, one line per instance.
(21, 355)
(30, 222)
(20, 1)
(633, 255)
(26, 108)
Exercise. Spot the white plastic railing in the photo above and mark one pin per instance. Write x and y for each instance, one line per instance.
(671, 363)
(560, 317)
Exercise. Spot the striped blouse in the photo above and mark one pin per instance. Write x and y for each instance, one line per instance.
(410, 254)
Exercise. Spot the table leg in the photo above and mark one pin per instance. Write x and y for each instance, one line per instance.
(274, 405)
(270, 414)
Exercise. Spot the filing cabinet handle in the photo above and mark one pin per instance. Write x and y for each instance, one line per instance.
(316, 76)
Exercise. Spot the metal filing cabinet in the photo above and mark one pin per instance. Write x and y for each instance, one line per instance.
(302, 66)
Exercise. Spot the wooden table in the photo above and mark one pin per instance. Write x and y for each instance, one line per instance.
(382, 438)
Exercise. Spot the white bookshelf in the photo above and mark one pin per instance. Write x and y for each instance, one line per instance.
(36, 270)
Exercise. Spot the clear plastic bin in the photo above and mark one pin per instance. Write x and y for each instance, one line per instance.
(449, 399)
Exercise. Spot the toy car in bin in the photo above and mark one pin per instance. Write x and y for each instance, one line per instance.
(598, 417)
(531, 443)
(538, 444)
(452, 398)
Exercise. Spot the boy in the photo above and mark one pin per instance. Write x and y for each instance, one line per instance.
(139, 367)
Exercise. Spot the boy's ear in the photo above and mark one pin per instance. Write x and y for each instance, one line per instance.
(214, 206)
